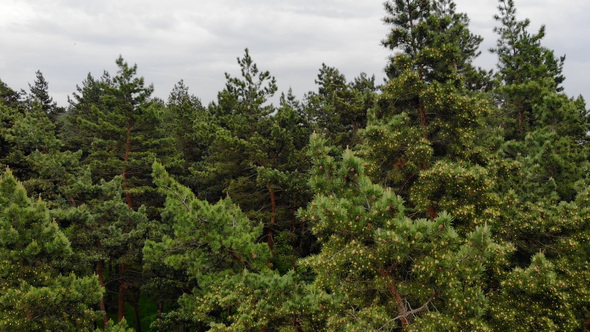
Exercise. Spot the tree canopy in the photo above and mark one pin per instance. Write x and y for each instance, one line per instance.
(447, 197)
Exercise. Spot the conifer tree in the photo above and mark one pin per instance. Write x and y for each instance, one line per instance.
(105, 234)
(34, 153)
(339, 108)
(431, 38)
(218, 241)
(422, 135)
(252, 150)
(38, 291)
(39, 96)
(121, 135)
(80, 115)
(543, 128)
(237, 133)
(230, 285)
(183, 117)
(383, 270)
(8, 96)
(547, 288)
(527, 70)
(545, 167)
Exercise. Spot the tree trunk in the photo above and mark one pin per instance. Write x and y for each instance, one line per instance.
(126, 160)
(100, 274)
(122, 289)
(521, 121)
(432, 212)
(122, 283)
(273, 216)
(423, 121)
(160, 310)
(101, 304)
(399, 301)
(431, 209)
(135, 294)
(297, 324)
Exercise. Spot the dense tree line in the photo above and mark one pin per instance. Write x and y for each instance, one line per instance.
(447, 197)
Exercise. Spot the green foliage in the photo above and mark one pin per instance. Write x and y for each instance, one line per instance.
(24, 132)
(253, 155)
(431, 38)
(339, 108)
(421, 138)
(37, 289)
(535, 298)
(182, 119)
(238, 135)
(116, 327)
(117, 126)
(211, 242)
(530, 76)
(39, 97)
(233, 288)
(378, 264)
(406, 182)
(8, 96)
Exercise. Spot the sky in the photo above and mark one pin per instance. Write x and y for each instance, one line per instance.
(199, 41)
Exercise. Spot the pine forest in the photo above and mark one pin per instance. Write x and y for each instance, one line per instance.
(446, 198)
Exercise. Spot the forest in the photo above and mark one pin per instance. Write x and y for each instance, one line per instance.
(445, 198)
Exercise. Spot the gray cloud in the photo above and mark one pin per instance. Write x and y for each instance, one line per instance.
(199, 40)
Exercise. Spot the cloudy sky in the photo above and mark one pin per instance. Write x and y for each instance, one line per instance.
(199, 41)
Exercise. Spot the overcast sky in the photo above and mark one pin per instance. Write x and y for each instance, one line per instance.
(199, 41)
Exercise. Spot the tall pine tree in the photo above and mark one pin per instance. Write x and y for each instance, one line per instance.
(421, 138)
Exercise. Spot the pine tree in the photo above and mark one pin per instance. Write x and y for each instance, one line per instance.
(36, 155)
(431, 38)
(548, 287)
(422, 135)
(339, 108)
(230, 285)
(382, 270)
(253, 154)
(8, 96)
(81, 115)
(29, 135)
(38, 291)
(236, 133)
(105, 234)
(543, 127)
(219, 243)
(527, 70)
(121, 135)
(39, 97)
(183, 116)
(542, 182)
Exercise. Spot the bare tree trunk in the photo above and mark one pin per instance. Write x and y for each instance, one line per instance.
(135, 295)
(432, 212)
(273, 216)
(160, 310)
(122, 289)
(126, 159)
(101, 304)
